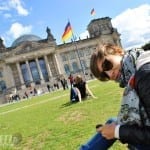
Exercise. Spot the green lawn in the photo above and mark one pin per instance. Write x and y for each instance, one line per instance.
(51, 122)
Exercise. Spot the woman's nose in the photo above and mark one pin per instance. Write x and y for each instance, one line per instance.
(110, 73)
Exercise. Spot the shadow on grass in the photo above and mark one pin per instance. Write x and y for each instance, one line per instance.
(68, 104)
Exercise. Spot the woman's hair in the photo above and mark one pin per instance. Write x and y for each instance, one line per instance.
(99, 54)
(78, 79)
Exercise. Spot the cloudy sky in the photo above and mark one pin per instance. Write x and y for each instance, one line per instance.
(130, 17)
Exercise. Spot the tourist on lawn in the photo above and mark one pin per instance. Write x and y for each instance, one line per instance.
(131, 69)
(71, 79)
(64, 83)
(80, 90)
(48, 87)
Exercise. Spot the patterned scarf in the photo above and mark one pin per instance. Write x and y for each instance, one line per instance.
(129, 112)
(128, 66)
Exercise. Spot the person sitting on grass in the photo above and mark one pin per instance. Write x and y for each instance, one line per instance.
(80, 90)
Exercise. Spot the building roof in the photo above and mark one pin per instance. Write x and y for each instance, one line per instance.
(24, 38)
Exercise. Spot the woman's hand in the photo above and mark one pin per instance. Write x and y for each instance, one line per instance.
(108, 131)
(94, 97)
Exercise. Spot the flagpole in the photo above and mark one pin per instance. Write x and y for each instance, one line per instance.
(68, 31)
(75, 43)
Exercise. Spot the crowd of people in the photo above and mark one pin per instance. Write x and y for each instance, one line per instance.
(77, 85)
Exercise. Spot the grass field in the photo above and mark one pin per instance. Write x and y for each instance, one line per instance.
(51, 122)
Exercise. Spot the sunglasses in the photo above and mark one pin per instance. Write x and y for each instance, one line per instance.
(106, 66)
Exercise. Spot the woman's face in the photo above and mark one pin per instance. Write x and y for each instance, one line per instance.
(110, 65)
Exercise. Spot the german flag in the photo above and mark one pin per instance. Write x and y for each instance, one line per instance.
(93, 12)
(67, 32)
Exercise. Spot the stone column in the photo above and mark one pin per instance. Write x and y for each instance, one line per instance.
(48, 67)
(39, 70)
(57, 64)
(29, 71)
(20, 75)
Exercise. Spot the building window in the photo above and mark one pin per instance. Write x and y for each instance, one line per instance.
(72, 55)
(75, 67)
(81, 53)
(1, 74)
(87, 52)
(25, 73)
(34, 71)
(67, 69)
(43, 69)
(2, 86)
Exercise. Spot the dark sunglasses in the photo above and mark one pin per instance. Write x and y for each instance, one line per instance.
(106, 66)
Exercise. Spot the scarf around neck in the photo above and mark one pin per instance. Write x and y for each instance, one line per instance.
(128, 66)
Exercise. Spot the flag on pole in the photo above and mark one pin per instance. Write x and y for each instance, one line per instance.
(93, 12)
(67, 32)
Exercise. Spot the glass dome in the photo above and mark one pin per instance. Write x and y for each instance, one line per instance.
(23, 38)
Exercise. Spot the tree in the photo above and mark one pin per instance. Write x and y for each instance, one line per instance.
(146, 46)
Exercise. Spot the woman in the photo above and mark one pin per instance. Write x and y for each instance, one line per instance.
(81, 89)
(110, 62)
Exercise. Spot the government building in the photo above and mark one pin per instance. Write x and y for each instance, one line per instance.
(35, 62)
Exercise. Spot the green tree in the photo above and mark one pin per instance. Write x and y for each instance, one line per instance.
(146, 46)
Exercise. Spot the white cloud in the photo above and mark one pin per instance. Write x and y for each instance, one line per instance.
(18, 29)
(3, 7)
(7, 15)
(16, 4)
(134, 26)
(8, 5)
(84, 35)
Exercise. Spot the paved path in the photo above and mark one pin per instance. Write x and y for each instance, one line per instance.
(41, 102)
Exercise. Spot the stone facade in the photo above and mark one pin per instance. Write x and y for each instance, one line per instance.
(34, 62)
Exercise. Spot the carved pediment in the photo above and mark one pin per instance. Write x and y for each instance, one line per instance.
(27, 47)
(24, 49)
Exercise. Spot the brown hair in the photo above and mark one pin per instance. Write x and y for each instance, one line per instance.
(78, 79)
(99, 54)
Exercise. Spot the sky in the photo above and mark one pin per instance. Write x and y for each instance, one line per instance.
(19, 17)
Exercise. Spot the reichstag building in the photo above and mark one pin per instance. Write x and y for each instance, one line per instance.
(36, 62)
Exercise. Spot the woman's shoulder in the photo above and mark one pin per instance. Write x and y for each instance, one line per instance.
(134, 52)
(143, 72)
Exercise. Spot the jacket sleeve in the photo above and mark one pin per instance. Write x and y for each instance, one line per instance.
(134, 134)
